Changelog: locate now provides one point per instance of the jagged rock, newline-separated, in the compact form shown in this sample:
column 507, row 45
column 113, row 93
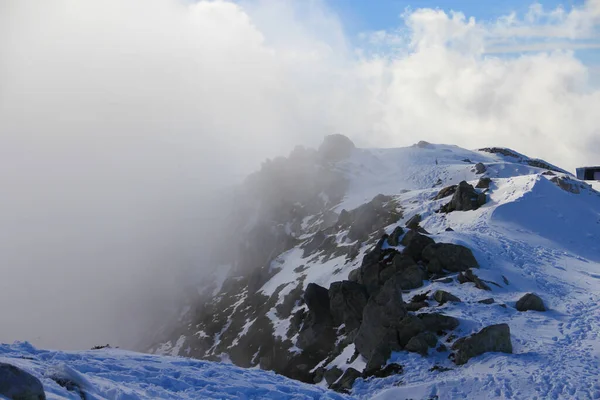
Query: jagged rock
column 421, row 343
column 480, row 168
column 409, row 327
column 336, row 147
column 452, row 257
column 567, row 184
column 347, row 301
column 486, row 301
column 381, row 316
column 413, row 222
column 332, row 375
column 394, row 238
column 416, row 306
column 372, row 216
column 466, row 198
column 484, row 183
column 494, row 338
column 344, row 384
column 442, row 297
column 531, row 302
column 445, row 192
column 317, row 334
column 469, row 276
column 414, row 243
column 18, row 384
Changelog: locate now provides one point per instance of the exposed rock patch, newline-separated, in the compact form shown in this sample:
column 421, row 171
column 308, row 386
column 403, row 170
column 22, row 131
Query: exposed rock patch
column 18, row 384
column 494, row 338
column 465, row 198
column 451, row 257
column 532, row 302
column 443, row 297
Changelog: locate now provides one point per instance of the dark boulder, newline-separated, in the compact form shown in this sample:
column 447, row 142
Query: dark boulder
column 436, row 322
column 378, row 359
column 442, row 297
column 411, row 277
column 416, row 306
column 414, row 221
column 452, row 257
column 347, row 301
column 414, row 243
column 486, row 301
column 317, row 334
column 381, row 317
column 445, row 192
column 494, row 338
column 480, row 168
column 388, row 370
column 344, row 384
column 336, row 147
column 531, row 302
column 484, row 183
column 466, row 198
column 18, row 384
column 469, row 276
column 421, row 343
column 372, row 216
column 394, row 238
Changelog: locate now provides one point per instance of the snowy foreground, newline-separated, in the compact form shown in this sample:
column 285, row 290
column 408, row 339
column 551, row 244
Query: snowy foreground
column 124, row 375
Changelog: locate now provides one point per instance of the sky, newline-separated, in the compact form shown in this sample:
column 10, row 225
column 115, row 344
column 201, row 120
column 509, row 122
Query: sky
column 118, row 118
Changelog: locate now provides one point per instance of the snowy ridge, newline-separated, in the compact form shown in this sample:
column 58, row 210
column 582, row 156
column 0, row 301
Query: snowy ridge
column 119, row 375
column 532, row 235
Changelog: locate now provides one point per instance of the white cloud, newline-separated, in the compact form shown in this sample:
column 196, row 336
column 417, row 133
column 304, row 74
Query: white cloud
column 118, row 116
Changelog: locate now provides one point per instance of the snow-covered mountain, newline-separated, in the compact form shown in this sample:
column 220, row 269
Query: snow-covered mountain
column 364, row 269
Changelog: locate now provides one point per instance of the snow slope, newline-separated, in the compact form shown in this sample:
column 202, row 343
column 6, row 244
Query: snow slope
column 124, row 375
column 530, row 236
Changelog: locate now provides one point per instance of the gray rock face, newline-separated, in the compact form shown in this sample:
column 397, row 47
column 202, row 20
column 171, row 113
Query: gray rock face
column 452, row 257
column 567, row 184
column 411, row 277
column 347, row 301
column 480, row 168
column 336, row 147
column 442, row 297
column 435, row 322
column 381, row 317
column 372, row 216
column 414, row 244
column 531, row 302
column 466, row 198
column 378, row 359
column 408, row 328
column 494, row 338
column 18, row 384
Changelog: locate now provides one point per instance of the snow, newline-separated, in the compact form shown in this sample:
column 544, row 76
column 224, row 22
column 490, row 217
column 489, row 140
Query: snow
column 124, row 375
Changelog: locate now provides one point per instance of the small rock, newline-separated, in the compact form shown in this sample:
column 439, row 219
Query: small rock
column 486, row 301
column 445, row 192
column 530, row 302
column 18, row 384
column 416, row 306
column 494, row 338
column 484, row 183
column 441, row 348
column 448, row 229
column 442, row 297
column 480, row 168
column 452, row 257
column 466, row 198
column 469, row 276
column 445, row 280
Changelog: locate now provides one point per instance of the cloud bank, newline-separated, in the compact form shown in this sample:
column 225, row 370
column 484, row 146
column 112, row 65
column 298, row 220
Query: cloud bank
column 118, row 117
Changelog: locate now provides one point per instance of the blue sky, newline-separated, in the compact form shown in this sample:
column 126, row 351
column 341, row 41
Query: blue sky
column 360, row 16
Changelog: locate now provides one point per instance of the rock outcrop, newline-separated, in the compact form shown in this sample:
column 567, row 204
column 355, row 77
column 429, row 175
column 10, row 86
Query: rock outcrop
column 336, row 147
column 18, row 384
column 451, row 257
column 494, row 338
column 466, row 198
column 532, row 302
column 347, row 301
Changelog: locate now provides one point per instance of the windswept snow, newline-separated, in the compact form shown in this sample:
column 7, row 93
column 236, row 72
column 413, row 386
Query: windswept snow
column 123, row 375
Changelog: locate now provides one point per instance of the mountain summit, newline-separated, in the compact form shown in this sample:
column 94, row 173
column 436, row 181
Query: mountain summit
column 406, row 272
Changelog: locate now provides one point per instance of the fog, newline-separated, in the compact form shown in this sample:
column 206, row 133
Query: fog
column 119, row 119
